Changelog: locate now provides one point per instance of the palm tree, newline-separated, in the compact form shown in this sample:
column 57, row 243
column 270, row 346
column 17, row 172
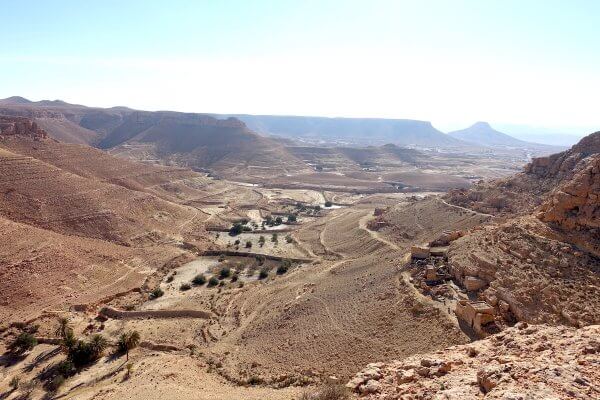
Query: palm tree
column 128, row 341
column 65, row 332
column 63, row 327
column 98, row 344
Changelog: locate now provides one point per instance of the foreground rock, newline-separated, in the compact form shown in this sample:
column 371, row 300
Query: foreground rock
column 523, row 362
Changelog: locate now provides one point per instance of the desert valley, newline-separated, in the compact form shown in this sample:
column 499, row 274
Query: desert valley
column 202, row 256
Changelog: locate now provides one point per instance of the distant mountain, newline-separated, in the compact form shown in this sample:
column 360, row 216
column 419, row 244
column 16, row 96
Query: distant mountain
column 481, row 133
column 360, row 131
column 556, row 137
column 198, row 141
column 15, row 100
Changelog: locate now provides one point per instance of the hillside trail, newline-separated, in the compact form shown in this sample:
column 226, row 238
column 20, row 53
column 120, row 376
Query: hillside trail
column 463, row 208
column 362, row 223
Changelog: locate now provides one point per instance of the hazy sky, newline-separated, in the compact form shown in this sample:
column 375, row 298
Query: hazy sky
column 451, row 62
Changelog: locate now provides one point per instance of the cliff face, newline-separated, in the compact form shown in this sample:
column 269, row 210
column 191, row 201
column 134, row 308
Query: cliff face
column 21, row 126
column 576, row 203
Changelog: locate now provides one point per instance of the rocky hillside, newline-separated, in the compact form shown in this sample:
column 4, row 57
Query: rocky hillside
column 78, row 225
column 524, row 362
column 523, row 192
column 540, row 261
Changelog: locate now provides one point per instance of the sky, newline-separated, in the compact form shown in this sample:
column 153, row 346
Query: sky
column 518, row 63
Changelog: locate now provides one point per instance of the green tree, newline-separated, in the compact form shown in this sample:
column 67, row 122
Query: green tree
column 128, row 341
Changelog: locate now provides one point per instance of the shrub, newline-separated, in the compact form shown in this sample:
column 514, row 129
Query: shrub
column 24, row 342
column 241, row 285
column 213, row 281
column 278, row 221
column 264, row 273
column 274, row 238
column 225, row 272
column 66, row 368
column 222, row 283
column 292, row 218
column 260, row 259
column 248, row 244
column 328, row 204
column 289, row 239
column 156, row 293
column 170, row 278
column 236, row 229
column 185, row 286
column 282, row 269
column 234, row 278
column 56, row 383
column 128, row 370
column 199, row 280
column 14, row 382
column 254, row 380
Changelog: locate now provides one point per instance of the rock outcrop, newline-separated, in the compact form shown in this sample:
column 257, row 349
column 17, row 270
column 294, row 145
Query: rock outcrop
column 21, row 126
column 523, row 362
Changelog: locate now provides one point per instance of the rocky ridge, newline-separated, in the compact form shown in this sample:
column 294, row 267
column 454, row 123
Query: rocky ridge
column 523, row 362
column 21, row 126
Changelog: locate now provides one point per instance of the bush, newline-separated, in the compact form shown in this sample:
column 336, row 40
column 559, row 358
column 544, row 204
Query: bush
column 199, row 280
column 156, row 293
column 274, row 238
column 170, row 278
column 14, row 382
column 234, row 278
column 237, row 242
column 289, row 239
column 292, row 218
column 185, row 286
column 263, row 274
column 236, row 229
column 282, row 269
column 248, row 244
column 213, row 281
column 56, row 383
column 66, row 368
column 225, row 272
column 260, row 259
column 24, row 342
column 328, row 204
column 278, row 221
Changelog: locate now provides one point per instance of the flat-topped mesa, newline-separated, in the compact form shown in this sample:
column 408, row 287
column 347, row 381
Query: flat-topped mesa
column 196, row 119
column 21, row 126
